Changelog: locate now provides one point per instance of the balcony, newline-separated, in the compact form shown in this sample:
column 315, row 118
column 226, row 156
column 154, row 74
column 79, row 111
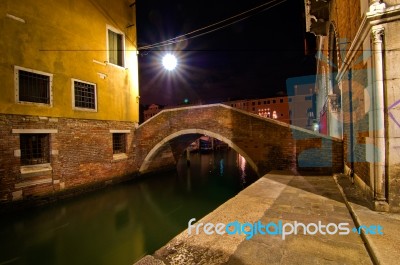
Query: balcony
column 317, row 16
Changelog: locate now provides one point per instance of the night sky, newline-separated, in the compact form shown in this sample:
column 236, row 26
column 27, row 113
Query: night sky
column 249, row 59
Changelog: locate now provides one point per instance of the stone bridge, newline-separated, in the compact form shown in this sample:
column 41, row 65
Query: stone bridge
column 266, row 144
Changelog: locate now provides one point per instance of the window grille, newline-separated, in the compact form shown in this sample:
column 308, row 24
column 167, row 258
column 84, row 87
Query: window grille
column 85, row 95
column 35, row 149
column 33, row 87
column 119, row 143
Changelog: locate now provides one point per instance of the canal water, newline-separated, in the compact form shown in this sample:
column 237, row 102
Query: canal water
column 120, row 224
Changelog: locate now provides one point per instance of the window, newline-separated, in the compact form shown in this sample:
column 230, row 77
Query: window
column 281, row 100
column 290, row 99
column 32, row 86
column 35, row 149
column 84, row 95
column 268, row 101
column 119, row 143
column 115, row 47
column 274, row 101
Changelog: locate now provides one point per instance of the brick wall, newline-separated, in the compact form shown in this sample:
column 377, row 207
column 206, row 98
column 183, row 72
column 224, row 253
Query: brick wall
column 267, row 143
column 81, row 156
column 358, row 96
column 82, row 153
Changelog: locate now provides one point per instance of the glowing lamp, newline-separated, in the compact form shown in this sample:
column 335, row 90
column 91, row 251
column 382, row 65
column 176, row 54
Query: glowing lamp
column 169, row 62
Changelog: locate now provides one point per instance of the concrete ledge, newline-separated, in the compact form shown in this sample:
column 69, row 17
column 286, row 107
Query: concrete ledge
column 149, row 260
column 121, row 156
column 382, row 249
column 277, row 196
column 36, row 170
column 33, row 183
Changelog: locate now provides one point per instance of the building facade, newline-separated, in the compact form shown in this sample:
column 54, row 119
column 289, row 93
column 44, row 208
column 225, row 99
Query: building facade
column 69, row 100
column 357, row 89
column 294, row 109
column 152, row 110
column 275, row 108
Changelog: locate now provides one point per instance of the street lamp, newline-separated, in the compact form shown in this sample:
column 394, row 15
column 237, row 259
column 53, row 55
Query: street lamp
column 169, row 62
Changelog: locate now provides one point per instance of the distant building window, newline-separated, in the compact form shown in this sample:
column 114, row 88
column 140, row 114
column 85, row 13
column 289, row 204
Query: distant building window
column 281, row 100
column 33, row 86
column 35, row 149
column 259, row 103
column 84, row 95
column 231, row 105
column 265, row 102
column 268, row 102
column 308, row 97
column 290, row 99
column 115, row 47
column 119, row 143
column 254, row 109
column 253, row 103
column 274, row 101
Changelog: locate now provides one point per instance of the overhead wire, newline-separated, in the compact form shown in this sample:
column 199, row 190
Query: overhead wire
column 183, row 37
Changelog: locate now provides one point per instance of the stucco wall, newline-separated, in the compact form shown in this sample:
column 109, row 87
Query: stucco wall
column 67, row 38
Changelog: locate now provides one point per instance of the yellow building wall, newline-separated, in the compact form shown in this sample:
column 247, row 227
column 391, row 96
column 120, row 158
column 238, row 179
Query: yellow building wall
column 68, row 38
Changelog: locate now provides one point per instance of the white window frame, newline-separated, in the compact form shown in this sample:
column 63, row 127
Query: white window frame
column 108, row 27
column 16, row 86
column 120, row 156
column 27, row 171
column 73, row 95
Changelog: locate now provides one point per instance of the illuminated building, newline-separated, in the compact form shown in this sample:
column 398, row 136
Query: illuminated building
column 69, row 100
column 289, row 109
column 357, row 95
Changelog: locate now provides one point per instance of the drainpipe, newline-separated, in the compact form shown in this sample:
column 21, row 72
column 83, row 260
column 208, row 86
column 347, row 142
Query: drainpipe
column 380, row 200
column 350, row 76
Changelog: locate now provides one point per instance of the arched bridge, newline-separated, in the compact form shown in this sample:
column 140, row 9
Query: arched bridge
column 266, row 144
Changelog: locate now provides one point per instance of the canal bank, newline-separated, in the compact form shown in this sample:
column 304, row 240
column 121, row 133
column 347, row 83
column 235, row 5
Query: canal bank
column 278, row 196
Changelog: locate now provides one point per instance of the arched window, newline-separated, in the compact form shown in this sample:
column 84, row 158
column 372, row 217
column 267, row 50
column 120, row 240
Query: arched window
column 333, row 88
column 333, row 61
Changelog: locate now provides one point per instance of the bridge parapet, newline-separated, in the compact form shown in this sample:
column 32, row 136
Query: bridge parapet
column 266, row 144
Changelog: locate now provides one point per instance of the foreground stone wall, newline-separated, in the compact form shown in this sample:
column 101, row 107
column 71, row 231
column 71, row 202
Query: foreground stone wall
column 357, row 80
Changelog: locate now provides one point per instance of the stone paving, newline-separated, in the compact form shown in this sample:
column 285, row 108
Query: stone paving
column 278, row 196
column 384, row 249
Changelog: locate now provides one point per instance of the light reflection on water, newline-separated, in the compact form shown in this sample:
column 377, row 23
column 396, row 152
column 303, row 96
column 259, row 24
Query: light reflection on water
column 122, row 223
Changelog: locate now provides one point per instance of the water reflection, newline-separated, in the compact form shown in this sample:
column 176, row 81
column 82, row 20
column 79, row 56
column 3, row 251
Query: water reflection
column 122, row 223
column 242, row 166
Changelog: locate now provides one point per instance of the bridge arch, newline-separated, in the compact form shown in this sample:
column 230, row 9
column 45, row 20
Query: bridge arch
column 266, row 144
column 148, row 159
